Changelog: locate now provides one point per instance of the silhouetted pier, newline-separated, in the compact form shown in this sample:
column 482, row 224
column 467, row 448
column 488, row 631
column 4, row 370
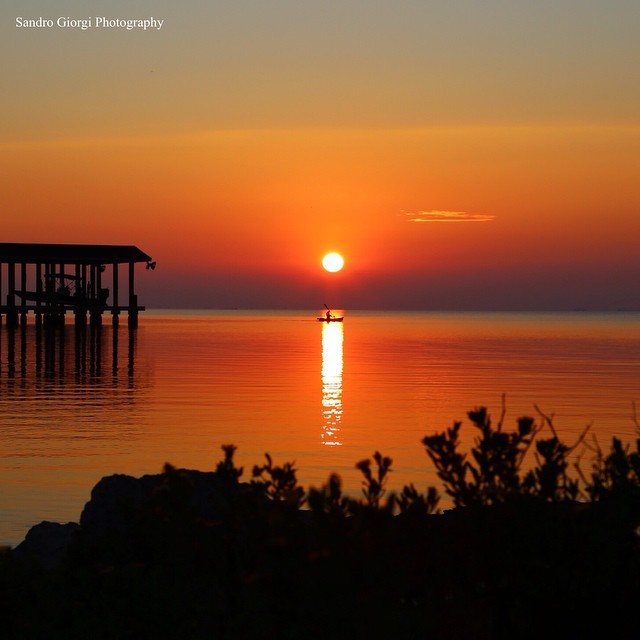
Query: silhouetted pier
column 57, row 278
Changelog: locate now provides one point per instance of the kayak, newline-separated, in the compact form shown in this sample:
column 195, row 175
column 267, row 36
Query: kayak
column 330, row 319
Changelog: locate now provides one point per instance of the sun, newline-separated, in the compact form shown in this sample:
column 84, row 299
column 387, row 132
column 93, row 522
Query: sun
column 333, row 262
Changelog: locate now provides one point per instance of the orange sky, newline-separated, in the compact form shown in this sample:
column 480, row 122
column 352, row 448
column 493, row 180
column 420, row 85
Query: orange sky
column 237, row 148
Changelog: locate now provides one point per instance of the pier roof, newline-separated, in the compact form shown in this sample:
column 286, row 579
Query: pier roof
column 70, row 253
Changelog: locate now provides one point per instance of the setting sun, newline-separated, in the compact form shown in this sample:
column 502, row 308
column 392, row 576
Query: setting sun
column 333, row 262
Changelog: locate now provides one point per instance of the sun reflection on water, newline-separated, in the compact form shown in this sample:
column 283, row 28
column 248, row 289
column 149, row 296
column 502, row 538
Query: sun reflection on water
column 332, row 365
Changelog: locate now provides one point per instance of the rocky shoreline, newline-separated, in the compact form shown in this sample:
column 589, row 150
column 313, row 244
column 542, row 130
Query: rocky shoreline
column 193, row 554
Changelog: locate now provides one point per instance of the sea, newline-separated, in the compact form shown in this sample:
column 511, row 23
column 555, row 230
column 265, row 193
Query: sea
column 77, row 405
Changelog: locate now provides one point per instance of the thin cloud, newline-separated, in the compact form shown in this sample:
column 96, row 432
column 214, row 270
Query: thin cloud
column 447, row 216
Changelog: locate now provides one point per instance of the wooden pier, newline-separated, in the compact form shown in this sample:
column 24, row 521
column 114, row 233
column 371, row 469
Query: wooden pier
column 50, row 280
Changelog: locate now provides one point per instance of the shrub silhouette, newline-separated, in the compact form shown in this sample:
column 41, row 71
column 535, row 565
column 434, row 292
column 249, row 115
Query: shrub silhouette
column 494, row 473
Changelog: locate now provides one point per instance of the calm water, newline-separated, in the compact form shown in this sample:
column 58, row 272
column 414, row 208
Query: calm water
column 74, row 408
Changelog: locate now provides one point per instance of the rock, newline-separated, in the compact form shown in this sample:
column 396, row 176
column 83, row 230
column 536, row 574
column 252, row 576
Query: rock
column 114, row 501
column 117, row 501
column 47, row 543
column 118, row 506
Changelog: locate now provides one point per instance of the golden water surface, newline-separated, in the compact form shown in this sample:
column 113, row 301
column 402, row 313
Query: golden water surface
column 77, row 406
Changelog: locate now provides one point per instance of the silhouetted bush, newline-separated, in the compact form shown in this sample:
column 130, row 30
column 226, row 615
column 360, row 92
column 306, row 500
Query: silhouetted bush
column 533, row 547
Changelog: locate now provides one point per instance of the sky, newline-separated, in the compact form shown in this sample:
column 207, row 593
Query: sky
column 468, row 154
